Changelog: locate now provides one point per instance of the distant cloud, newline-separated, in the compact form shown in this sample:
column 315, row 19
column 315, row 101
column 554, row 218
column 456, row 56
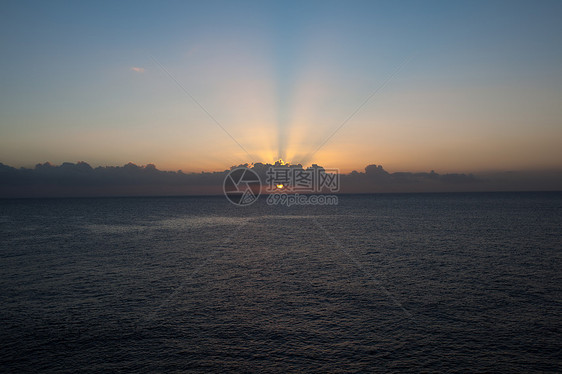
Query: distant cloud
column 193, row 50
column 137, row 69
column 80, row 179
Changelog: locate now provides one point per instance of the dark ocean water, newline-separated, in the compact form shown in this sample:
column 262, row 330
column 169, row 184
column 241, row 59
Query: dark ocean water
column 429, row 282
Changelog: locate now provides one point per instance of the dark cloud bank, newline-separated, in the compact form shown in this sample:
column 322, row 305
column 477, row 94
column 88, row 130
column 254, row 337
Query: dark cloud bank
column 80, row 179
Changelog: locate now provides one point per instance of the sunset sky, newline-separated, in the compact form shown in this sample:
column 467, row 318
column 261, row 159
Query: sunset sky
column 458, row 86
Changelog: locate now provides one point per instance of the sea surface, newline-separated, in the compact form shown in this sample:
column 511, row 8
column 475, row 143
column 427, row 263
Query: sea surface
column 378, row 283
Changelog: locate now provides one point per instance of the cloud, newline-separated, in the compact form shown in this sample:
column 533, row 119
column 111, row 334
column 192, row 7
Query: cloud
column 137, row 69
column 376, row 179
column 80, row 179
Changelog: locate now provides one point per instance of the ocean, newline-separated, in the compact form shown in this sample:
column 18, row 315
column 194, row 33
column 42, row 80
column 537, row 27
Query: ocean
column 378, row 283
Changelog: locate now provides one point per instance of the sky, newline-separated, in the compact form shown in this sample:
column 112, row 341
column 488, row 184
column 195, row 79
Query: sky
column 449, row 86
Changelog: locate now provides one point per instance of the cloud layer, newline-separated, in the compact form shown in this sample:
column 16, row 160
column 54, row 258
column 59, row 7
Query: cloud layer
column 80, row 179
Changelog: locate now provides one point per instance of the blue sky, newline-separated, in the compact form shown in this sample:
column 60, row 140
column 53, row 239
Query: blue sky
column 479, row 85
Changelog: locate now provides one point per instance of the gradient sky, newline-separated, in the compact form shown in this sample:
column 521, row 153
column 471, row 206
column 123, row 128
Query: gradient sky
column 467, row 86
